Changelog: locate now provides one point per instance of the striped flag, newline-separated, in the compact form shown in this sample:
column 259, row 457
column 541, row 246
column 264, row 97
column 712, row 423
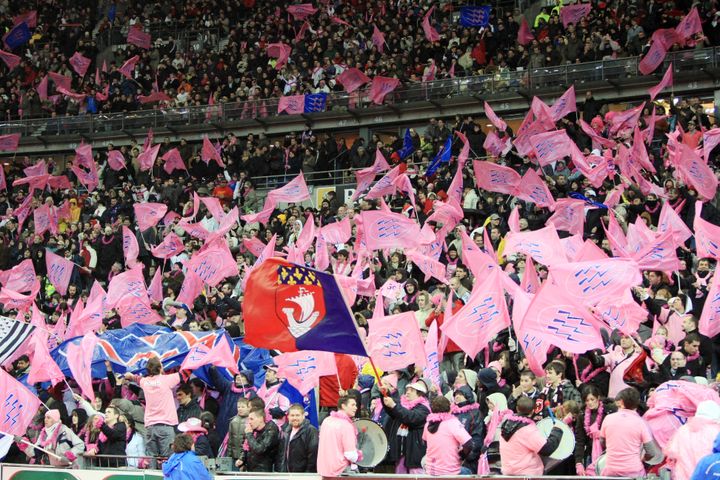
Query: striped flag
column 12, row 335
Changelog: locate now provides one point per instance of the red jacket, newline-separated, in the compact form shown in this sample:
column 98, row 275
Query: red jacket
column 451, row 346
column 347, row 371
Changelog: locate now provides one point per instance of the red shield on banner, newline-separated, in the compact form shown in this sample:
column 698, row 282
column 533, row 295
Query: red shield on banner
column 300, row 303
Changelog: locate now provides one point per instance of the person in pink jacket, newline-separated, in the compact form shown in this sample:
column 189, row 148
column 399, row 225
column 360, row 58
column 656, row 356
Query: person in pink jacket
column 693, row 440
column 522, row 443
column 337, row 448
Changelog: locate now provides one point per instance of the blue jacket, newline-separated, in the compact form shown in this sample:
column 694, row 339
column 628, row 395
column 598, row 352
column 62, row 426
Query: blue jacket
column 183, row 466
column 709, row 467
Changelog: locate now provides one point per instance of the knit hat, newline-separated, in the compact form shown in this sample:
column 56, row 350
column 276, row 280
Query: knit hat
column 470, row 377
column 708, row 409
column 487, row 377
column 54, row 415
column 466, row 392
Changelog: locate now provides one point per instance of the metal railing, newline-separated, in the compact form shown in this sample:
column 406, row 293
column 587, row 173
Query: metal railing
column 532, row 80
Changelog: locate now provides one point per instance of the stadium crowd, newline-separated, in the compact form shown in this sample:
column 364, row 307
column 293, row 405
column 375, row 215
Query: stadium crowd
column 228, row 61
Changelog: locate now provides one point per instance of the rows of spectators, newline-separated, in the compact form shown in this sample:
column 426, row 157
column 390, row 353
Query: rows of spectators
column 227, row 61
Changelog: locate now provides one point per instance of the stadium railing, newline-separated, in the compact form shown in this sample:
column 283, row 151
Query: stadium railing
column 530, row 81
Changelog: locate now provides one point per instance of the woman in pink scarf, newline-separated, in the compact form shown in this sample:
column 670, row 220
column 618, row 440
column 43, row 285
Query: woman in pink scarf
column 587, row 430
column 404, row 428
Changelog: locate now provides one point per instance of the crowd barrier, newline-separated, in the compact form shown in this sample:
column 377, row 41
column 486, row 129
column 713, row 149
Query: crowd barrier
column 25, row 472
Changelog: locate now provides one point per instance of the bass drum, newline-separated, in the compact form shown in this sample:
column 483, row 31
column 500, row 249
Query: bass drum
column 372, row 442
column 567, row 442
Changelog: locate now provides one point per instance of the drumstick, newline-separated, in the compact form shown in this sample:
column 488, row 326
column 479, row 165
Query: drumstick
column 552, row 415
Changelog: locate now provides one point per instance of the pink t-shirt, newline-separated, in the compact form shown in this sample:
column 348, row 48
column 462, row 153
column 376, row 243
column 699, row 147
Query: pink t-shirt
column 625, row 433
column 160, row 399
column 520, row 455
column 618, row 363
column 443, row 456
column 337, row 436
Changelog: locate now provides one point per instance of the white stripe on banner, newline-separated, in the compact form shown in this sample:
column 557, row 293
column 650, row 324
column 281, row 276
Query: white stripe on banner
column 12, row 335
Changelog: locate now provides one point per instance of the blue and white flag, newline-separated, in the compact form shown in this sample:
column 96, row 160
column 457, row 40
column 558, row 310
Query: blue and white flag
column 315, row 102
column 475, row 16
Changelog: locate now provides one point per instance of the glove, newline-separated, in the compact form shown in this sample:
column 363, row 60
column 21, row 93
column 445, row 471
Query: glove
column 70, row 456
column 579, row 469
column 21, row 445
column 98, row 421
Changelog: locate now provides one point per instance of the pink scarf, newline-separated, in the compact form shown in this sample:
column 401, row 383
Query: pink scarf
column 245, row 391
column 593, row 431
column 496, row 419
column 439, row 417
column 454, row 409
column 49, row 442
column 410, row 404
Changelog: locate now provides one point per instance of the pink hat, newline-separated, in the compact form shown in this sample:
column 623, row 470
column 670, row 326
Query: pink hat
column 495, row 366
column 54, row 415
column 192, row 425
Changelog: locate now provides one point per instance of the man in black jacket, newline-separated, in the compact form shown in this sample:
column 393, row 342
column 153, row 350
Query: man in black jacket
column 263, row 439
column 188, row 406
column 298, row 443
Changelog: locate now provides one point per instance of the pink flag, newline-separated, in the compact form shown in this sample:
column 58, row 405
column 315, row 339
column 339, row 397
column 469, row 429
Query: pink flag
column 666, row 81
column 533, row 189
column 710, row 319
column 496, row 178
column 659, row 255
column 711, row 139
column 137, row 310
column 301, row 11
column 496, row 146
column 589, row 251
column 339, row 21
column 525, row 35
column 170, row 246
column 19, row 406
column 494, row 119
column 80, row 359
column 292, row 104
column 147, row 215
column 337, row 232
column 155, row 97
column 3, row 181
column 139, row 38
column 303, row 369
column 484, row 315
column 385, row 185
column 596, row 139
column 214, row 263
column 555, row 318
column 9, row 142
column 147, row 158
column 192, row 286
column 378, row 39
column 622, row 313
column 430, row 33
column 543, row 245
column 219, row 355
column 389, row 230
column 670, row 221
column 131, row 250
column 429, row 266
column 564, row 105
column 574, row 13
column 293, row 192
column 262, row 216
column 209, row 152
column 351, row 79
column 16, row 301
column 597, row 280
column 10, row 60
column 653, row 58
column 155, row 290
column 61, row 80
column 695, row 172
column 59, row 271
column 173, row 161
column 689, row 25
column 569, row 215
column 21, row 278
column 281, row 52
column 395, row 341
column 29, row 18
column 431, row 371
column 129, row 66
column 322, row 258
column 80, row 63
column 707, row 236
column 531, row 281
column 627, row 119
column 43, row 368
column 364, row 179
column 42, row 87
column 254, row 245
column 550, row 146
column 381, row 87
column 116, row 160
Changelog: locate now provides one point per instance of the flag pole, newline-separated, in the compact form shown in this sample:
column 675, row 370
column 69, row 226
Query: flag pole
column 377, row 375
column 36, row 447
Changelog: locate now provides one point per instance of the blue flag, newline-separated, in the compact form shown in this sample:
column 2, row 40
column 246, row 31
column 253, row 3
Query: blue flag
column 475, row 16
column 17, row 36
column 111, row 12
column 307, row 401
column 407, row 147
column 443, row 156
column 315, row 102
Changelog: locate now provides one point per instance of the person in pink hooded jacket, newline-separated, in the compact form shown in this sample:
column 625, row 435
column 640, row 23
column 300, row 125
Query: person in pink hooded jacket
column 693, row 440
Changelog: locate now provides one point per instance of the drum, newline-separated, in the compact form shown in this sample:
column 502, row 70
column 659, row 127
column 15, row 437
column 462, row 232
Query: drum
column 600, row 464
column 372, row 442
column 567, row 442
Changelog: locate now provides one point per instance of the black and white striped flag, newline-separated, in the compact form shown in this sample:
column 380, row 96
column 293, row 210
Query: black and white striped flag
column 12, row 335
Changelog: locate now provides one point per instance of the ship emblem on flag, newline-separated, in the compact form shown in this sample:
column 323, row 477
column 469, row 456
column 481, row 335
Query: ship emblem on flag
column 299, row 299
